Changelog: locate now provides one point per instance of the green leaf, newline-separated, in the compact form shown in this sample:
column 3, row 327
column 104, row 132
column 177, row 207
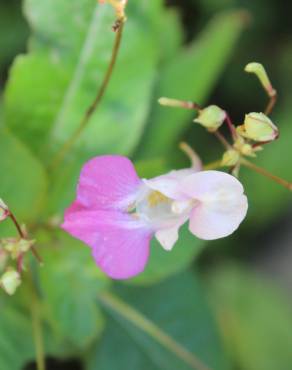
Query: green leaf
column 191, row 75
column 70, row 282
column 17, row 346
column 50, row 88
column 255, row 317
column 163, row 264
column 178, row 307
column 23, row 183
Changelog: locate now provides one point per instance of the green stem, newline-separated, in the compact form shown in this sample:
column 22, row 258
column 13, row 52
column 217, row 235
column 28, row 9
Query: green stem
column 92, row 108
column 213, row 165
column 128, row 312
column 267, row 174
column 37, row 326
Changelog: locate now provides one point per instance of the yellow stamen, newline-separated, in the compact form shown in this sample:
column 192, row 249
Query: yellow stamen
column 155, row 197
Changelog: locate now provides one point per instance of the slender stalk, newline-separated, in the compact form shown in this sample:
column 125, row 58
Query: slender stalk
column 92, row 108
column 267, row 174
column 37, row 327
column 222, row 139
column 191, row 154
column 111, row 301
column 271, row 104
column 230, row 126
column 23, row 236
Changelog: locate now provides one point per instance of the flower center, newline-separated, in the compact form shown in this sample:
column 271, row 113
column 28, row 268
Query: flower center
column 158, row 210
column 155, row 197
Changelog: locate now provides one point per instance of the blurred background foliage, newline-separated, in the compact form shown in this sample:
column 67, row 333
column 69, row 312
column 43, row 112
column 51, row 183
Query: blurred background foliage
column 227, row 301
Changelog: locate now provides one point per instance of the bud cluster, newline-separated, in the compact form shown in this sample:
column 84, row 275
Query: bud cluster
column 248, row 138
column 12, row 252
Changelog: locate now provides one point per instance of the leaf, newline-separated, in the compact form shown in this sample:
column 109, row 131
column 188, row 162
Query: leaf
column 191, row 75
column 256, row 319
column 163, row 264
column 50, row 88
column 23, row 183
column 70, row 282
column 178, row 307
column 17, row 346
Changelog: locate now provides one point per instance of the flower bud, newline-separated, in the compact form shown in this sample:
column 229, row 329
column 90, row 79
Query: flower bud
column 211, row 117
column 230, row 158
column 4, row 211
column 10, row 281
column 259, row 70
column 244, row 148
column 17, row 247
column 258, row 127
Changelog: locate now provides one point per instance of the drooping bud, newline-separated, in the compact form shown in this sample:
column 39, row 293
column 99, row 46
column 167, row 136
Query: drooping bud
column 4, row 211
column 258, row 127
column 10, row 281
column 211, row 117
column 17, row 247
column 259, row 70
column 230, row 158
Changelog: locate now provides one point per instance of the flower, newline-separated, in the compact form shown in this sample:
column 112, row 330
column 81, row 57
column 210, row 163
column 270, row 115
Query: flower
column 116, row 213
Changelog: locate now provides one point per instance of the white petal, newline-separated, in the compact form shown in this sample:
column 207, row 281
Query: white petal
column 168, row 236
column 221, row 204
column 168, row 184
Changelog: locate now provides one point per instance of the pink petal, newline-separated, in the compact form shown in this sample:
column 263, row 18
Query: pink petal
column 120, row 243
column 108, row 182
column 221, row 204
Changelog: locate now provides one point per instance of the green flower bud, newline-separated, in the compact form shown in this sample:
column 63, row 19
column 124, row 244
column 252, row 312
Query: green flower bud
column 230, row 158
column 259, row 70
column 244, row 148
column 17, row 247
column 10, row 281
column 211, row 117
column 258, row 127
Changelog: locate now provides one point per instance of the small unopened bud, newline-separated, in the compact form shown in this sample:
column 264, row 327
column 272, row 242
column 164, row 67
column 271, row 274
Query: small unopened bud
column 244, row 148
column 258, row 127
column 4, row 211
column 10, row 281
column 259, row 70
column 230, row 158
column 211, row 117
column 17, row 247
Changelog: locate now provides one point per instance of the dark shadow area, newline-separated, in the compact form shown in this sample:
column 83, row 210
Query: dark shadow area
column 56, row 364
